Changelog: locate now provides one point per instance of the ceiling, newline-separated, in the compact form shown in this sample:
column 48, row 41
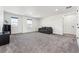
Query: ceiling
column 39, row 11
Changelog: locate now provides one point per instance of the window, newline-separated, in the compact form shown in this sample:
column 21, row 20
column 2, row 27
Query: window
column 29, row 23
column 14, row 21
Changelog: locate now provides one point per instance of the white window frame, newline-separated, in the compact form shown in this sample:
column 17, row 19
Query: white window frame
column 14, row 21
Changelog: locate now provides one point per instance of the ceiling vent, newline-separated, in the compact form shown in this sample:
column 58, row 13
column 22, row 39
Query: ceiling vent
column 68, row 7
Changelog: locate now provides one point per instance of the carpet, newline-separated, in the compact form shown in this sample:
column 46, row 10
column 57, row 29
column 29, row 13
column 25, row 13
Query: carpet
column 40, row 43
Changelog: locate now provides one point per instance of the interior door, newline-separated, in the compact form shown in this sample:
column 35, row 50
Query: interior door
column 70, row 24
column 77, row 29
column 14, row 25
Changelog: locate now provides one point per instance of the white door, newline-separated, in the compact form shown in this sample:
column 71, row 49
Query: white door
column 70, row 24
column 24, row 25
column 77, row 29
column 14, row 25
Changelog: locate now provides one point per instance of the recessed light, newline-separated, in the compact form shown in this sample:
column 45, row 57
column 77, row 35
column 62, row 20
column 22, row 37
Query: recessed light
column 56, row 9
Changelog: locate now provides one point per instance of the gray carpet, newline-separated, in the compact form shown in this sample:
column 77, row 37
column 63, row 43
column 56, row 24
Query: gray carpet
column 40, row 43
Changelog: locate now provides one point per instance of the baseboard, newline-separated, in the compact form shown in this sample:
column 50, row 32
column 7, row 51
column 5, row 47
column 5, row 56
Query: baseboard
column 23, row 32
column 69, row 34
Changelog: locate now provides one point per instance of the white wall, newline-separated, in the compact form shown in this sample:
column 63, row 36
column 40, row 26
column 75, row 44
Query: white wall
column 35, row 24
column 60, row 23
column 1, row 18
column 22, row 24
column 70, row 24
column 77, row 27
column 53, row 21
column 7, row 16
column 56, row 22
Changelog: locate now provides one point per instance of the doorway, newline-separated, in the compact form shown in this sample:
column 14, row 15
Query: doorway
column 70, row 24
column 14, row 25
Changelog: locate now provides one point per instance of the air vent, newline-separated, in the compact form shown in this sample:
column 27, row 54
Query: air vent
column 68, row 7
